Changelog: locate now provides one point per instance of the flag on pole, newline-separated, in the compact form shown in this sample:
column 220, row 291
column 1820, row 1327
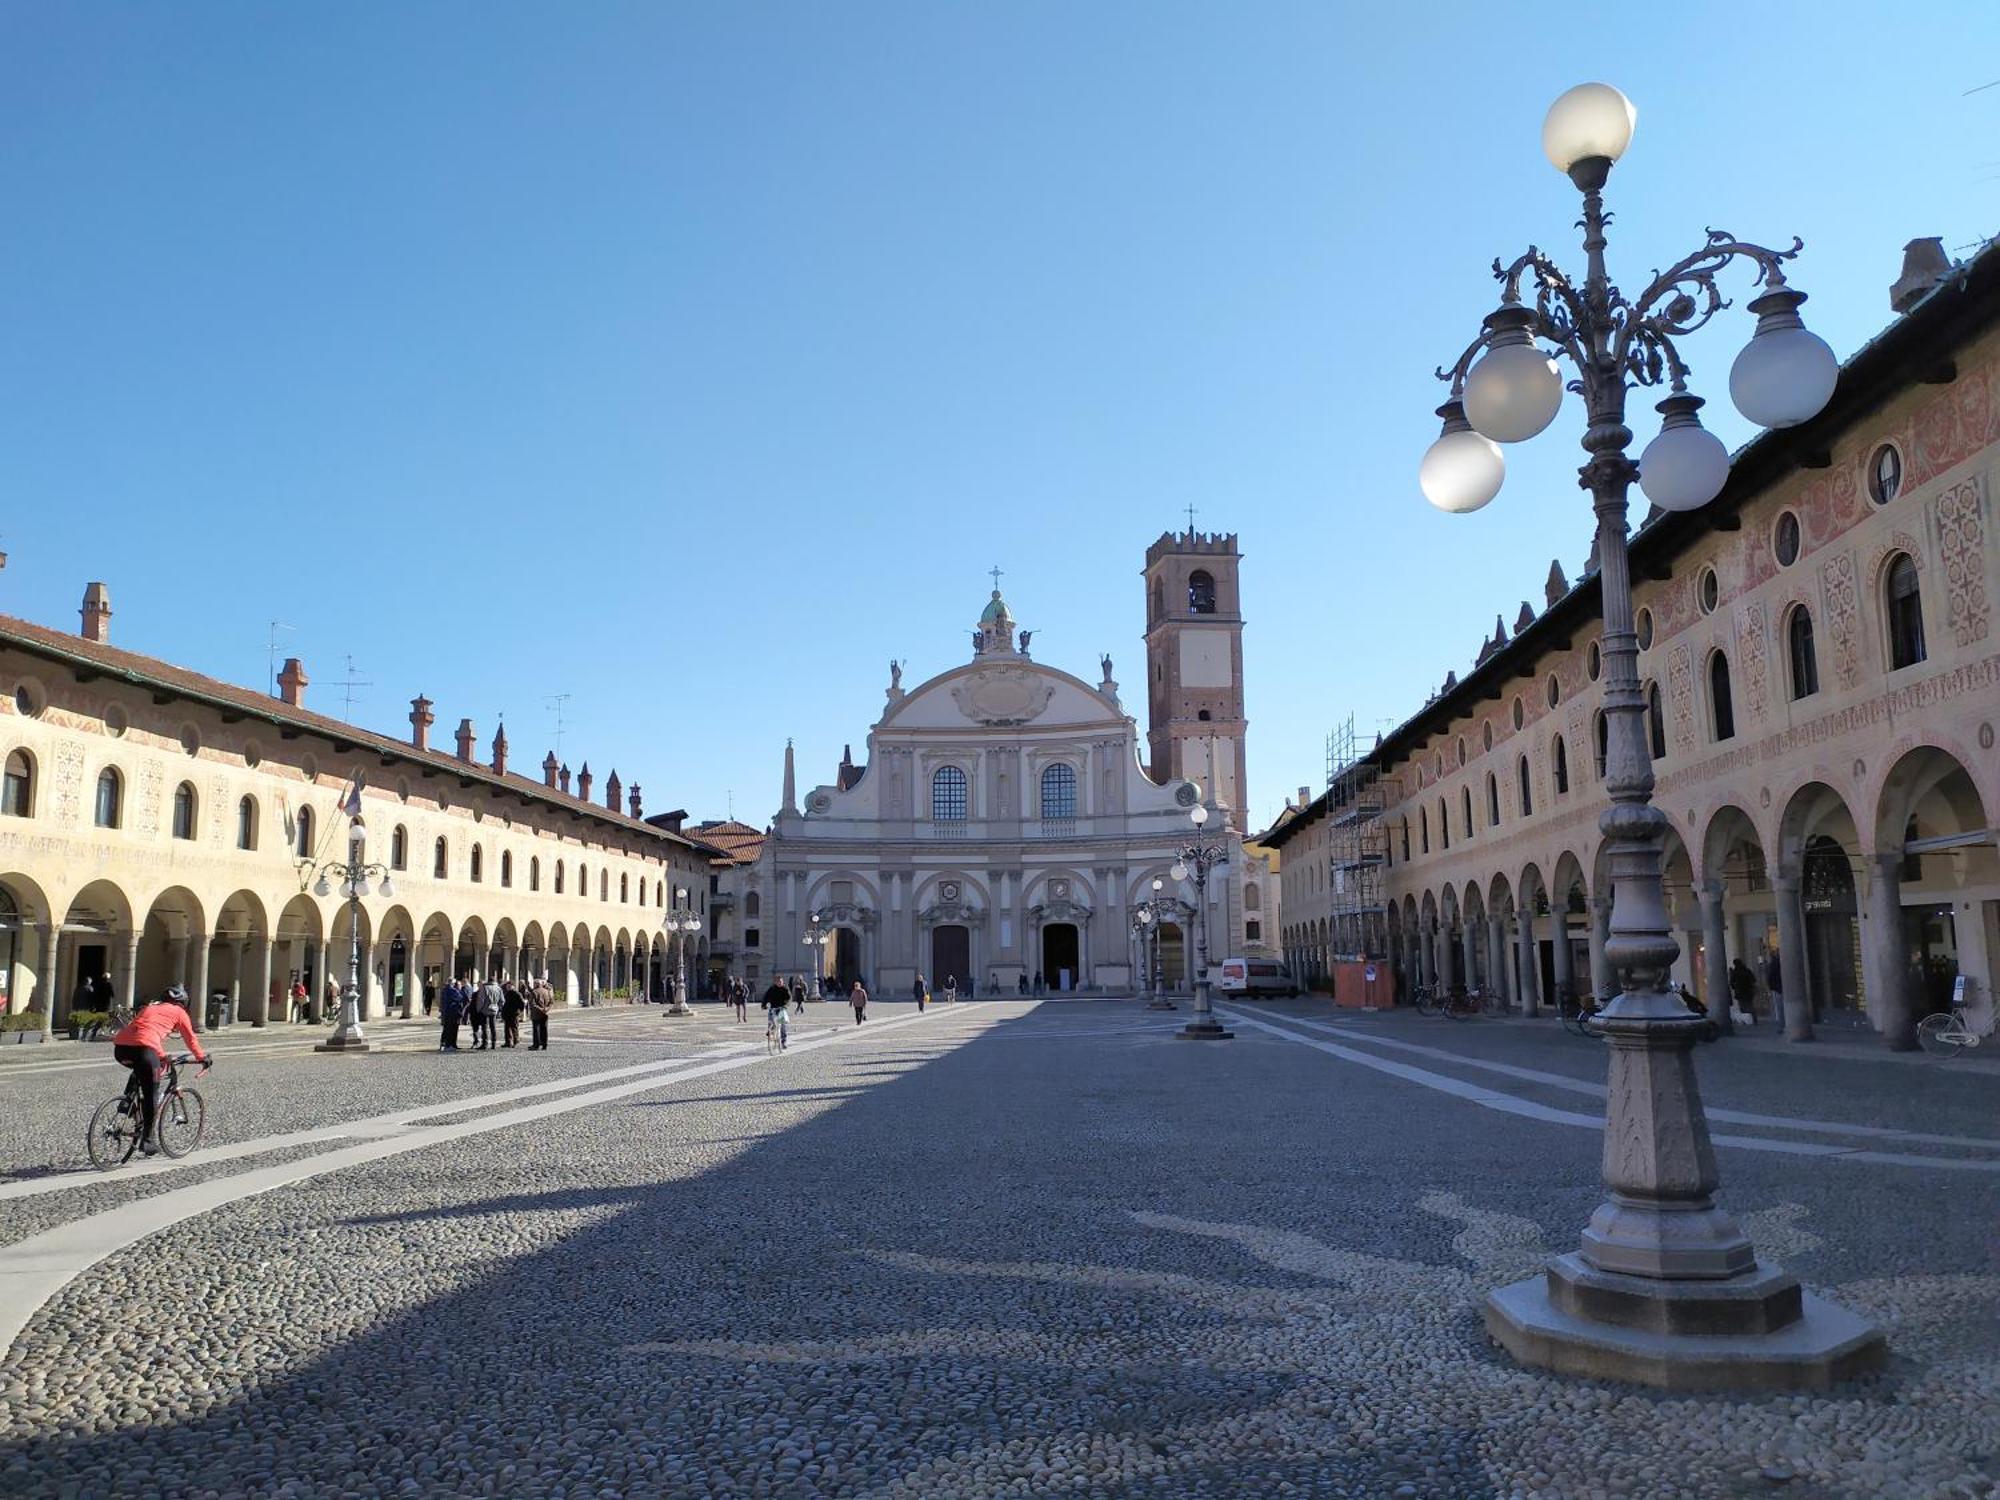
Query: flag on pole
column 351, row 802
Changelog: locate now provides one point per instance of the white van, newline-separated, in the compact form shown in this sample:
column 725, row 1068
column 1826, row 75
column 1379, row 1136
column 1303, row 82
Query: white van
column 1255, row 976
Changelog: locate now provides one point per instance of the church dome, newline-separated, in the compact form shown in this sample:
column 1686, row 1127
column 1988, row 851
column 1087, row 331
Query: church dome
column 996, row 611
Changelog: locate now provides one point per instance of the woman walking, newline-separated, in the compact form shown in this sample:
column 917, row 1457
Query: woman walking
column 920, row 992
column 858, row 998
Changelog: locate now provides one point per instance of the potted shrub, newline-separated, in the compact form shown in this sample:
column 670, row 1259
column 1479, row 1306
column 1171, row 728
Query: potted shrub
column 85, row 1025
column 22, row 1029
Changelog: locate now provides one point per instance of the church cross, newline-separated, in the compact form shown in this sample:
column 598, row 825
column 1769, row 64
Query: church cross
column 996, row 578
column 1190, row 518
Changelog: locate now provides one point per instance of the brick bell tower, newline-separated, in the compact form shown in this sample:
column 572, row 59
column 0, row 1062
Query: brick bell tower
column 1194, row 665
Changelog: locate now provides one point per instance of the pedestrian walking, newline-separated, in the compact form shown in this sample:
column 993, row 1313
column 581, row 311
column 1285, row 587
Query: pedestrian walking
column 1024, row 981
column 541, row 999
column 741, row 992
column 858, row 998
column 486, row 1014
column 430, row 994
column 1774, row 981
column 511, row 1006
column 451, row 1010
column 920, row 992
column 1742, row 987
column 330, row 1012
column 799, row 993
column 951, row 989
column 302, row 1002
column 1040, row 987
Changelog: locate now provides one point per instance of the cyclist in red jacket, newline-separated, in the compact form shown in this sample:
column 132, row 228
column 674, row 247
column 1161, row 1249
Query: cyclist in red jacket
column 139, row 1045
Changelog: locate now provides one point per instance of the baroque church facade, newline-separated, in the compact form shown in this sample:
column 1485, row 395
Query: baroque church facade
column 1007, row 820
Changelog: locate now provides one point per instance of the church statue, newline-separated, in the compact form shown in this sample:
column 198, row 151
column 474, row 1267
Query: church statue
column 895, row 676
column 1107, row 666
column 1026, row 636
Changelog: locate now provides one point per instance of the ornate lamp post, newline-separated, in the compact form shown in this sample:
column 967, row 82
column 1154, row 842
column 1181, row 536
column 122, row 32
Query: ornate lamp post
column 1196, row 858
column 1665, row 1288
column 681, row 923
column 353, row 874
column 1148, row 915
column 818, row 934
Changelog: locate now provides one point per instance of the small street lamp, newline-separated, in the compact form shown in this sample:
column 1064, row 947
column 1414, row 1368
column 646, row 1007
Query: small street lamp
column 1146, row 918
column 681, row 924
column 351, row 876
column 818, row 934
column 1195, row 859
column 1665, row 1288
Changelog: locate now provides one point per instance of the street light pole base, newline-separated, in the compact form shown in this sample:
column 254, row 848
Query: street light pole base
column 343, row 1041
column 680, row 1008
column 1204, row 1029
column 1162, row 1003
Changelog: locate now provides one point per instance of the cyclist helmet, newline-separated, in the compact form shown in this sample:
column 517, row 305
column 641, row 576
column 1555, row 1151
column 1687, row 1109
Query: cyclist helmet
column 175, row 995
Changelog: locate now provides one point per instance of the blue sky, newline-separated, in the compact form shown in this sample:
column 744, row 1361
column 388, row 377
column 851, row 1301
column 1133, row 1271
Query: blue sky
column 695, row 360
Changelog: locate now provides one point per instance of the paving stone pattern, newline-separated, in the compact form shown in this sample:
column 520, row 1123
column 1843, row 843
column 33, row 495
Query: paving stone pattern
column 1010, row 1250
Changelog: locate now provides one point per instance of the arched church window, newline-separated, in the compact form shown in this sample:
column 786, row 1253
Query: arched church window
column 1201, row 592
column 948, row 795
column 1059, row 791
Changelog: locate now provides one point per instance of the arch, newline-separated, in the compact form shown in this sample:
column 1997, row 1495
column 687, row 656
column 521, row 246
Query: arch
column 108, row 809
column 17, row 785
column 396, row 964
column 1801, row 653
column 299, row 955
column 1201, row 592
column 1902, row 598
column 173, row 924
column 949, row 802
column 506, row 946
column 186, row 812
column 1818, row 856
column 350, row 922
column 1059, row 790
column 1932, row 836
column 1721, row 701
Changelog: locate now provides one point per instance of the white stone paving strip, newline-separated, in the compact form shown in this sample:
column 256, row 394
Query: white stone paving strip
column 35, row 1269
column 1597, row 1090
column 1493, row 1099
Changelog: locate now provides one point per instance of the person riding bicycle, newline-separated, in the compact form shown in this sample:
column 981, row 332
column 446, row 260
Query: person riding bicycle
column 138, row 1046
column 777, row 1006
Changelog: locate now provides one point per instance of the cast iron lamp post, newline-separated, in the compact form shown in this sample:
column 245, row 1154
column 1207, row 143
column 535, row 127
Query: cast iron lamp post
column 681, row 924
column 816, row 938
column 1665, row 1288
column 1196, row 859
column 353, row 874
column 1149, row 914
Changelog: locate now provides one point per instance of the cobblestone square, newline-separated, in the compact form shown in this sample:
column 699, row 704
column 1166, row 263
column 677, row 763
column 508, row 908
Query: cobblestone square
column 999, row 1248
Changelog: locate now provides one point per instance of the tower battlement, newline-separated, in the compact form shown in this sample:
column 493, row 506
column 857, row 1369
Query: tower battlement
column 1182, row 543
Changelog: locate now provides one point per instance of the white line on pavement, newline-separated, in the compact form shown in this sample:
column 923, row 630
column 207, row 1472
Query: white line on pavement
column 35, row 1269
column 1492, row 1099
column 1597, row 1090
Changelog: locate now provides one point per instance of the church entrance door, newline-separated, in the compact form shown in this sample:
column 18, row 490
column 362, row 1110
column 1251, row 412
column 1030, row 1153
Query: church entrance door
column 1173, row 957
column 1060, row 968
column 951, row 955
column 845, row 967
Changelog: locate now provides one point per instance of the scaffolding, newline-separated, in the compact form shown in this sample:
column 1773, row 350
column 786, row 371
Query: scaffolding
column 1358, row 796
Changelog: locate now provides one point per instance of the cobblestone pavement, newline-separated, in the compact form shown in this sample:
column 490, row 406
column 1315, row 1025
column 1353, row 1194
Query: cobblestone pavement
column 1006, row 1248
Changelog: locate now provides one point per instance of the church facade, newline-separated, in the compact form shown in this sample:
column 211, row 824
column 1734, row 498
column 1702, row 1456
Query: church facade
column 1005, row 822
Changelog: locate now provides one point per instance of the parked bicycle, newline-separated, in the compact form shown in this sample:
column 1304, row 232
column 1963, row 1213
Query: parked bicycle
column 1947, row 1033
column 118, row 1126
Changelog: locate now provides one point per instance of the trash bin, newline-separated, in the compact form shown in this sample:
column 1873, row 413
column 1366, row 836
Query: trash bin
column 218, row 1008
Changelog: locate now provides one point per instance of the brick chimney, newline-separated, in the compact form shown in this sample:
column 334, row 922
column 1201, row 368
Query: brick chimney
column 292, row 682
column 614, row 790
column 500, row 751
column 549, row 769
column 583, row 780
column 421, row 719
column 96, row 613
column 563, row 780
column 465, row 738
column 1305, row 795
column 632, row 800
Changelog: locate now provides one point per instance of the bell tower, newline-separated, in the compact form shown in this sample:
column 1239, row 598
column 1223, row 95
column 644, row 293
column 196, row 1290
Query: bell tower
column 1194, row 665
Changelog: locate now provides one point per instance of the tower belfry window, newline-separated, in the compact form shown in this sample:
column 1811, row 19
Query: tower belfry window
column 1201, row 592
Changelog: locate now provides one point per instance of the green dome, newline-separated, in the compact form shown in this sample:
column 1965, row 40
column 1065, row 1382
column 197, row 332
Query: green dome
column 996, row 611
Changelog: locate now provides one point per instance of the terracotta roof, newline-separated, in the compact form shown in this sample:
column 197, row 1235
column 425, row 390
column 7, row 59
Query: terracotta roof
column 739, row 842
column 93, row 658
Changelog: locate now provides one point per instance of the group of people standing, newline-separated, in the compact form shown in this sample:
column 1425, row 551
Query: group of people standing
column 922, row 992
column 495, row 1006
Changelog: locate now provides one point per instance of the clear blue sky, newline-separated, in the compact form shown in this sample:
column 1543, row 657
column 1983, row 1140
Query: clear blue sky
column 694, row 360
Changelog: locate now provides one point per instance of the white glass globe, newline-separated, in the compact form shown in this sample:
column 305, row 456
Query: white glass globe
column 1683, row 468
column 1461, row 471
column 1592, row 119
column 1513, row 393
column 1198, row 815
column 1179, row 871
column 1783, row 377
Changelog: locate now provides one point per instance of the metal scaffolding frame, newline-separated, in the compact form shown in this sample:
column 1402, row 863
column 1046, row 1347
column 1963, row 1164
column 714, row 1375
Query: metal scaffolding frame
column 1358, row 795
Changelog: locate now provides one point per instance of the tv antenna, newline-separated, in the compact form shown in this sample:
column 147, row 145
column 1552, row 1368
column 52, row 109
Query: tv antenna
column 556, row 702
column 271, row 658
column 347, row 687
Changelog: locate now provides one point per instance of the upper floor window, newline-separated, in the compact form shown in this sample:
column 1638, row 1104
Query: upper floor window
column 1905, row 613
column 948, row 795
column 603, row 885
column 583, row 882
column 478, row 871
column 17, row 791
column 1803, row 656
column 1885, row 474
column 753, row 905
column 399, row 848
column 440, row 859
column 1423, row 831
column 1059, row 791
column 534, row 873
column 1656, row 722
column 1527, row 791
column 1444, row 826
column 1465, row 810
column 184, row 808
column 110, row 798
column 1492, row 800
column 304, row 831
column 506, row 867
column 1201, row 592
column 1602, row 729
column 1562, row 767
column 1722, row 707
column 625, row 888
column 559, row 877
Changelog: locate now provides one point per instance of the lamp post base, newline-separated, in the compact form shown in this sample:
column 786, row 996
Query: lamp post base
column 1161, row 1002
column 1756, row 1331
column 680, row 1007
column 1204, row 1029
column 345, row 1041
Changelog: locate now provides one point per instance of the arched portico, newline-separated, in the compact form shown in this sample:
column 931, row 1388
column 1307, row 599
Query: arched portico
column 1818, row 911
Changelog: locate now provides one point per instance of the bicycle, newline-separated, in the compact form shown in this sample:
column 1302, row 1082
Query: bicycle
column 1460, row 1004
column 1947, row 1033
column 1576, row 1012
column 1424, row 998
column 777, row 1034
column 117, row 1125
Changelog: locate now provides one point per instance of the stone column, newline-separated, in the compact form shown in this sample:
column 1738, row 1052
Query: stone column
column 1715, row 959
column 239, row 949
column 260, row 972
column 128, row 977
column 1884, row 960
column 1603, row 978
column 49, row 979
column 1496, row 957
column 198, row 989
column 1468, row 944
column 1565, row 959
column 1530, row 963
column 1792, row 960
column 1426, row 959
